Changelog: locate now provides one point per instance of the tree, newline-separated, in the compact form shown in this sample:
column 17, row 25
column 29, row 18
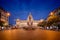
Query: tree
column 43, row 23
column 52, row 19
column 2, row 23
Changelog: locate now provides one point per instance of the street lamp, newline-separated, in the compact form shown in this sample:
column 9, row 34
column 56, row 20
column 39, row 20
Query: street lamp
column 51, row 13
column 7, row 14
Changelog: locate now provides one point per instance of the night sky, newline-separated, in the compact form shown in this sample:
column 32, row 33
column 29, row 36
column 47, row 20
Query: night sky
column 21, row 8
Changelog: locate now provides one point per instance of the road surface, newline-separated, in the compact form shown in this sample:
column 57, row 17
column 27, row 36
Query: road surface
column 21, row 34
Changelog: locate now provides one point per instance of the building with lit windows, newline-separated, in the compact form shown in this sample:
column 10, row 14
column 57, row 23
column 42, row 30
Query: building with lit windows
column 4, row 16
column 54, row 17
column 55, row 12
column 29, row 22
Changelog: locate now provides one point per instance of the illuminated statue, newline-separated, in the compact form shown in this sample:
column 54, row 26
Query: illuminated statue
column 30, row 20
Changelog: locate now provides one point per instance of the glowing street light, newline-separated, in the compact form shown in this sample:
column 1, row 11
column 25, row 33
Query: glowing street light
column 8, row 14
column 51, row 13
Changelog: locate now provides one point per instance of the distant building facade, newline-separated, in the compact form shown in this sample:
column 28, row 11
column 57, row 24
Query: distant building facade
column 29, row 22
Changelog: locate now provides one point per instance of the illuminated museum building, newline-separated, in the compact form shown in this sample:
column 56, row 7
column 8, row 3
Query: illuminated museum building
column 29, row 22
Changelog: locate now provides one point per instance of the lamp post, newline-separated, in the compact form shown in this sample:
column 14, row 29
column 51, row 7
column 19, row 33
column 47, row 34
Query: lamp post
column 8, row 14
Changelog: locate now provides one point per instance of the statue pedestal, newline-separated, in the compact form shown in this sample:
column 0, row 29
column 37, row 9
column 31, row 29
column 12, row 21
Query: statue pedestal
column 30, row 24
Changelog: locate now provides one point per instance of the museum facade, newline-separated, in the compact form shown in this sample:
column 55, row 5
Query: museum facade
column 29, row 22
